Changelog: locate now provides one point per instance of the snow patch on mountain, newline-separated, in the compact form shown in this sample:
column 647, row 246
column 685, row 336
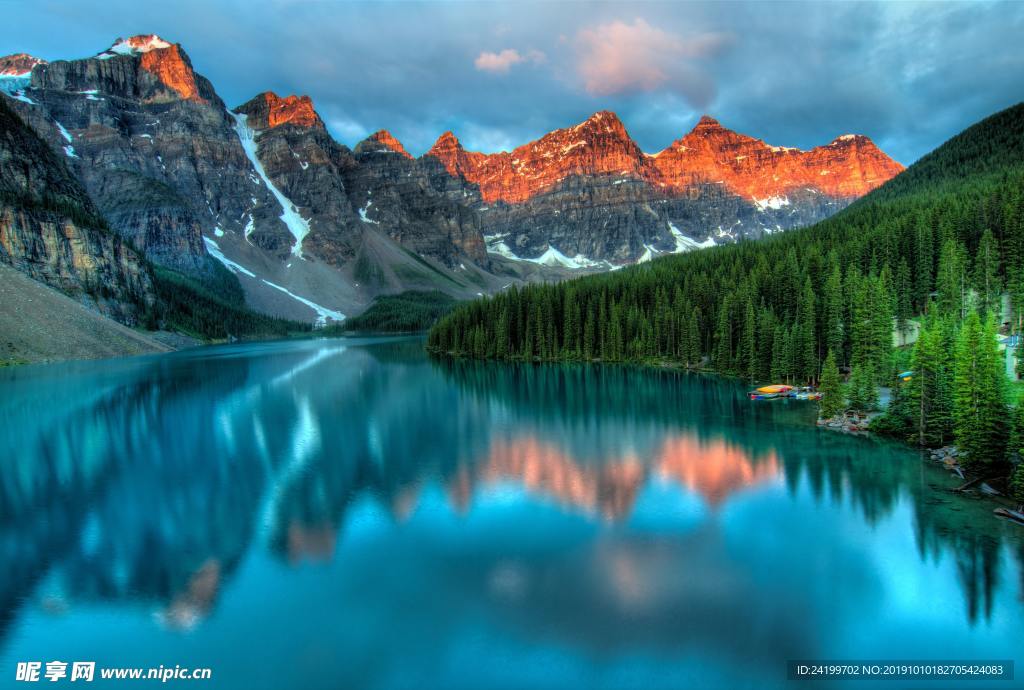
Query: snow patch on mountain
column 323, row 313
column 297, row 225
column 551, row 257
column 213, row 249
column 772, row 202
column 63, row 132
column 12, row 83
column 685, row 244
column 134, row 46
column 363, row 211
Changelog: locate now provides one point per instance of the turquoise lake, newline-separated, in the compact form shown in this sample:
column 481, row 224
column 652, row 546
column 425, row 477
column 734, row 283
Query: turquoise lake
column 354, row 514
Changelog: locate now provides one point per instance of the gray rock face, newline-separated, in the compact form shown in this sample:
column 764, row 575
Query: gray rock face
column 51, row 230
column 308, row 167
column 153, row 144
column 589, row 192
column 293, row 212
column 391, row 190
column 342, row 194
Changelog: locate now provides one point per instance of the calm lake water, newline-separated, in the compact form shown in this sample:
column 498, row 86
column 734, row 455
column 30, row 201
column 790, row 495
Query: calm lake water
column 350, row 513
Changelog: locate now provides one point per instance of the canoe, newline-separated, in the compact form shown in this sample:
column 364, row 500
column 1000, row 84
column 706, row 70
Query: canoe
column 754, row 395
column 777, row 388
column 807, row 395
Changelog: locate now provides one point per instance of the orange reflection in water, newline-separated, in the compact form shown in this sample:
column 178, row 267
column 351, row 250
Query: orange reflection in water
column 714, row 469
column 607, row 489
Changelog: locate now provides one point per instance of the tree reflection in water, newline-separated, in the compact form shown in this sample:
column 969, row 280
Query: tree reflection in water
column 149, row 480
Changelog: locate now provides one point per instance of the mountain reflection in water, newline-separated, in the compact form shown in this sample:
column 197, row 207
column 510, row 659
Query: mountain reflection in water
column 465, row 508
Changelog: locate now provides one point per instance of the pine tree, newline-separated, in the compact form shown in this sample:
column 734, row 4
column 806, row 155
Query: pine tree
column 951, row 280
column 1017, row 484
column 832, row 313
column 748, row 342
column 831, row 388
column 863, row 391
column 904, row 299
column 986, row 274
column 502, row 335
column 924, row 267
column 805, row 346
column 979, row 407
column 1020, row 356
column 930, row 391
column 1015, row 442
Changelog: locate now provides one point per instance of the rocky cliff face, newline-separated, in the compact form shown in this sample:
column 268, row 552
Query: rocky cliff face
column 587, row 195
column 307, row 166
column 302, row 219
column 155, row 147
column 50, row 229
column 847, row 168
column 391, row 191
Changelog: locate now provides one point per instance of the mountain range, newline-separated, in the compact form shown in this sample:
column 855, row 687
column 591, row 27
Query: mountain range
column 155, row 172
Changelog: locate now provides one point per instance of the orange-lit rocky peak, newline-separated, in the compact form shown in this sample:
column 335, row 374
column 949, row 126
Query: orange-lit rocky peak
column 850, row 166
column 446, row 142
column 143, row 43
column 165, row 60
column 603, row 121
column 600, row 145
column 706, row 122
column 382, row 140
column 19, row 64
column 447, row 147
column 172, row 67
column 294, row 110
column 456, row 159
column 268, row 110
column 710, row 153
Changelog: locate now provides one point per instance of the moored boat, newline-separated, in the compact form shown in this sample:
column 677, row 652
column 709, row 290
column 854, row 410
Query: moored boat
column 770, row 392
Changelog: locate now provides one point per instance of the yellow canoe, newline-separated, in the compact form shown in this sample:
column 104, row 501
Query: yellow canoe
column 779, row 388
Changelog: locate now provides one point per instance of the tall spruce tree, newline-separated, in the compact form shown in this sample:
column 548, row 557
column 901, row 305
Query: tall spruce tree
column 863, row 393
column 979, row 407
column 831, row 388
column 986, row 274
column 930, row 390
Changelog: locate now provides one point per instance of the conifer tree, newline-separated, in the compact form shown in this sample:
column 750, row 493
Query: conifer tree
column 832, row 312
column 951, row 280
column 986, row 274
column 979, row 407
column 930, row 390
column 863, row 393
column 904, row 299
column 831, row 388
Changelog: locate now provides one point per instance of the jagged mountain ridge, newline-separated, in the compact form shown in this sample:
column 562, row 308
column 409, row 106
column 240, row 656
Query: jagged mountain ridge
column 188, row 181
column 526, row 195
column 301, row 218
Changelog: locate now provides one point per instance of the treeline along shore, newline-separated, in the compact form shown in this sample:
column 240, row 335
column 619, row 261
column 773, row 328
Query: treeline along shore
column 934, row 256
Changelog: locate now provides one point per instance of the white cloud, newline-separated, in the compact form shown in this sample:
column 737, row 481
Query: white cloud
column 618, row 58
column 501, row 63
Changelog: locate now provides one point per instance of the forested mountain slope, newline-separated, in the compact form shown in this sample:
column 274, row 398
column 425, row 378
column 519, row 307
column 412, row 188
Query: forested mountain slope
column 950, row 226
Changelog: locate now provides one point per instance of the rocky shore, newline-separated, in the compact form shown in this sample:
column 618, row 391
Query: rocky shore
column 849, row 422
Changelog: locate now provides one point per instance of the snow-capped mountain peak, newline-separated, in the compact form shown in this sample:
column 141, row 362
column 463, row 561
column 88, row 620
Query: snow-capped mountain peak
column 135, row 45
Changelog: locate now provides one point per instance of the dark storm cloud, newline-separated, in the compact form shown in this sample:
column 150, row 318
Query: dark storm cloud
column 499, row 74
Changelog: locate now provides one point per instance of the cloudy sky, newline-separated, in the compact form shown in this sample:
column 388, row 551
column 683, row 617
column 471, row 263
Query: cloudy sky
column 499, row 74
